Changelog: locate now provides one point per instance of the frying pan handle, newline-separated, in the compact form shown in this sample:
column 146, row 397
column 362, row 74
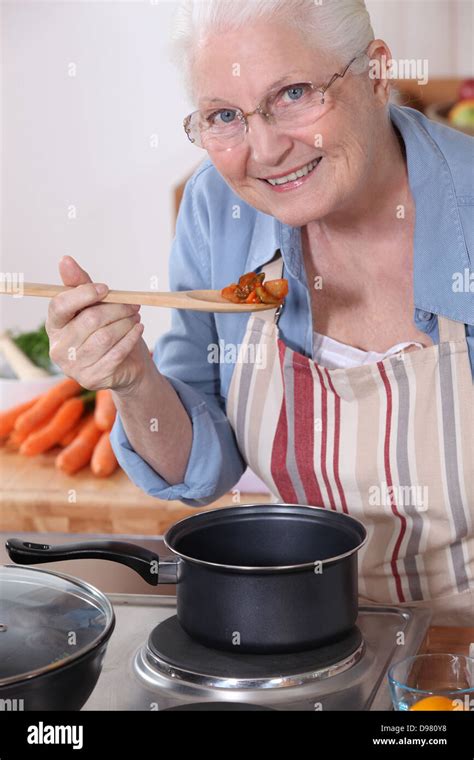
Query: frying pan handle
column 145, row 562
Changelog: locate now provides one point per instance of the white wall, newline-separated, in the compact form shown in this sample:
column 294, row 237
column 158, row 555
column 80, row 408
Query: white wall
column 441, row 31
column 85, row 140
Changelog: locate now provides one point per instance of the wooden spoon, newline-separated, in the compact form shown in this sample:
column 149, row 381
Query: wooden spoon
column 196, row 300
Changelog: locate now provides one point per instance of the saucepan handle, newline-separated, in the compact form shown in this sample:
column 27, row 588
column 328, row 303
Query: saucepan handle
column 145, row 562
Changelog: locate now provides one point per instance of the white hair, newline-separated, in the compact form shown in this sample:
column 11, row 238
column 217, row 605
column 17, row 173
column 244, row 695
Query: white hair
column 340, row 27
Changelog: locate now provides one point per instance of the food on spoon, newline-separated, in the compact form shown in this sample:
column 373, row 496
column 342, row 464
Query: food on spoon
column 251, row 289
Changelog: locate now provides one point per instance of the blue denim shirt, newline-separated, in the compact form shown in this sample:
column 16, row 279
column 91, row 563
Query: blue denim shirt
column 219, row 237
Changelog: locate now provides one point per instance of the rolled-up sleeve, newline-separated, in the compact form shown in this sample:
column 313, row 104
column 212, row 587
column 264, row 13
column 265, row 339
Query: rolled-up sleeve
column 215, row 463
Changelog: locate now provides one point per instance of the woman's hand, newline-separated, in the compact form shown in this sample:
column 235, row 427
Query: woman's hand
column 97, row 344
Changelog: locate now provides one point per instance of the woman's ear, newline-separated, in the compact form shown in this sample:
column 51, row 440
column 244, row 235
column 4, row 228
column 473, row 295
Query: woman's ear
column 380, row 72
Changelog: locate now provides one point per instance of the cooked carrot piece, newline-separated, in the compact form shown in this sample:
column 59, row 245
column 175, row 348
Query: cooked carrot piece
column 252, row 289
column 252, row 298
column 229, row 293
column 104, row 461
column 264, row 296
column 277, row 288
column 105, row 411
column 48, row 402
column 251, row 280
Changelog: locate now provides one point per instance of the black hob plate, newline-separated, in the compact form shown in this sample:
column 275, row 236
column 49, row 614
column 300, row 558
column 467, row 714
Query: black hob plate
column 170, row 643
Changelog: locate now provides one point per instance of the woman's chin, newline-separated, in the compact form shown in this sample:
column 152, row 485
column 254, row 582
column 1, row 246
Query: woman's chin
column 298, row 218
column 295, row 212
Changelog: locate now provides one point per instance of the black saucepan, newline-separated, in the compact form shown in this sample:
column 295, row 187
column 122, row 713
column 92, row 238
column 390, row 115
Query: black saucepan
column 253, row 578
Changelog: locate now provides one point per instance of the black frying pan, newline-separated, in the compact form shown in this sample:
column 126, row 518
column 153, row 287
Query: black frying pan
column 54, row 632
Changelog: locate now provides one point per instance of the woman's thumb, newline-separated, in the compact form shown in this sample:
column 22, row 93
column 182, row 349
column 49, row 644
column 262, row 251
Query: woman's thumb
column 71, row 273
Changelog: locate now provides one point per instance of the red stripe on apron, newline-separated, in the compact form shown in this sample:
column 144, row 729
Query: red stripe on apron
column 304, row 431
column 337, row 434
column 279, row 470
column 388, row 475
column 324, row 435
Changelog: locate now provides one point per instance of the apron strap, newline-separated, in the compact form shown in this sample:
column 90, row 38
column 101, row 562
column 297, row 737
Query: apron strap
column 273, row 271
column 450, row 330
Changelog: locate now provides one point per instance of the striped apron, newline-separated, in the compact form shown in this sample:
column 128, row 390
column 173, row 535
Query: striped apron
column 391, row 443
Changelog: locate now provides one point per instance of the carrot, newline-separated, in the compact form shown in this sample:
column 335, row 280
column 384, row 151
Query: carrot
column 15, row 439
column 8, row 416
column 75, row 456
column 63, row 420
column 103, row 462
column 104, row 412
column 47, row 403
column 71, row 434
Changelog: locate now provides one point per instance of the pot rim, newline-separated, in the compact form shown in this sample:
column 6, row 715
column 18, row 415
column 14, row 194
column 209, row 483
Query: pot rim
column 265, row 569
column 56, row 665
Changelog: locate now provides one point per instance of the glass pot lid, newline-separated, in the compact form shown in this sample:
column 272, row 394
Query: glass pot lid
column 47, row 620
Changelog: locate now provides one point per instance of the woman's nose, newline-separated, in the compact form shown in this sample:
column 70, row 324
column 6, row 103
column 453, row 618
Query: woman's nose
column 267, row 145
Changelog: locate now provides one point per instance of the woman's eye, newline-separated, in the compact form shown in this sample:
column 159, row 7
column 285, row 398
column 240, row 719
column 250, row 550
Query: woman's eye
column 220, row 118
column 295, row 92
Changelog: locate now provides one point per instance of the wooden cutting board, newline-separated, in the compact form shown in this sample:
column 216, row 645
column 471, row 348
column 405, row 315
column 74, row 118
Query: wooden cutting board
column 35, row 496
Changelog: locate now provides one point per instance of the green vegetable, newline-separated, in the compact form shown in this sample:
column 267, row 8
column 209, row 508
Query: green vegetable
column 88, row 398
column 36, row 347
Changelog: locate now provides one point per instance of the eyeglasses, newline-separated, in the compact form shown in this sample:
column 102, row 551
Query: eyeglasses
column 227, row 127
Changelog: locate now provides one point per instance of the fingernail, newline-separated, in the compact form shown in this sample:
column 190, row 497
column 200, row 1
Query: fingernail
column 101, row 288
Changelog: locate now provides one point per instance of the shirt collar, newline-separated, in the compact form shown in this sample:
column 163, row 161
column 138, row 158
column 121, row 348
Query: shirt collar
column 439, row 243
column 272, row 235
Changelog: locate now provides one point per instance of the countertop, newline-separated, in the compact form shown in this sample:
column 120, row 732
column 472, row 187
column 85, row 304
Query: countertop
column 37, row 497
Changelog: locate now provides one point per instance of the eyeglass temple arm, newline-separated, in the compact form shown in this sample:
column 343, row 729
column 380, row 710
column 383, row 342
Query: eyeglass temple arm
column 323, row 89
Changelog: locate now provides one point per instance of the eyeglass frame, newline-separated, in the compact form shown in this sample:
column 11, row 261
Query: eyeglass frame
column 243, row 117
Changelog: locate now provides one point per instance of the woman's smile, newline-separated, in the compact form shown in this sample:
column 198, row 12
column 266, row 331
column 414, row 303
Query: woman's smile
column 293, row 180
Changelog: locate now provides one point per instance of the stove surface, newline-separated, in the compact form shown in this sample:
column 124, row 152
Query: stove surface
column 129, row 680
column 128, row 683
column 172, row 653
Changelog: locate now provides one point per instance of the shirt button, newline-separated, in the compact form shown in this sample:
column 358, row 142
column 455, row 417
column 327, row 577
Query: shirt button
column 425, row 316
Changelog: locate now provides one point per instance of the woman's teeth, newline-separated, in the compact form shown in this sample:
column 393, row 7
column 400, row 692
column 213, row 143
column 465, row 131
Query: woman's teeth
column 296, row 175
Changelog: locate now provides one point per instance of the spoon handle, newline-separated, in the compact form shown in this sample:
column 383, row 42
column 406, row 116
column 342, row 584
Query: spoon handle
column 195, row 300
column 113, row 296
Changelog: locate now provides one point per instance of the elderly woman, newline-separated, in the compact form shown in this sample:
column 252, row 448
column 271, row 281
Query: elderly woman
column 359, row 397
